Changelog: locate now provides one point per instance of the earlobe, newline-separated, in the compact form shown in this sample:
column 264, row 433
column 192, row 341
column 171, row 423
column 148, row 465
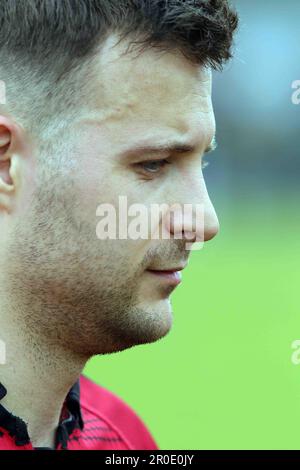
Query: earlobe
column 14, row 148
column 6, row 189
column 5, row 140
column 7, row 170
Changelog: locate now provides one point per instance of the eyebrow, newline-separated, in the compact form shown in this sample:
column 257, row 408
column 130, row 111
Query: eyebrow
column 169, row 147
column 212, row 146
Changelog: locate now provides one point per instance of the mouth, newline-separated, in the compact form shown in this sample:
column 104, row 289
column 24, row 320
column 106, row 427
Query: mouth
column 172, row 276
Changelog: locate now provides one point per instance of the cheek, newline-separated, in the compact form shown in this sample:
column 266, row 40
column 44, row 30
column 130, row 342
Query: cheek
column 87, row 191
column 91, row 177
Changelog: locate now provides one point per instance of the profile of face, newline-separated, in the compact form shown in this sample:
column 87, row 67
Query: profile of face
column 64, row 284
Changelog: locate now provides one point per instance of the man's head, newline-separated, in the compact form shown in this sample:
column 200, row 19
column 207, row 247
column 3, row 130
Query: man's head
column 79, row 100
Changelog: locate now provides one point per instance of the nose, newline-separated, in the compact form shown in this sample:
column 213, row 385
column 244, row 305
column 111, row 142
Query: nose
column 195, row 221
column 211, row 221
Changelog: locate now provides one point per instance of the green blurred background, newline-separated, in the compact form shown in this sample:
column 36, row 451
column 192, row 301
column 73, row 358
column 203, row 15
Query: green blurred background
column 223, row 377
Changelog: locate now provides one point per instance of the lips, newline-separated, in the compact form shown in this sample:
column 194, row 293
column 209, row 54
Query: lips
column 168, row 270
column 165, row 271
column 173, row 276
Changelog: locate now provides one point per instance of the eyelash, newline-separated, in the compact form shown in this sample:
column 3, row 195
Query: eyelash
column 164, row 162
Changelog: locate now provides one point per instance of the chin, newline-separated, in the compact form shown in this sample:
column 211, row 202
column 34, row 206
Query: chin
column 148, row 323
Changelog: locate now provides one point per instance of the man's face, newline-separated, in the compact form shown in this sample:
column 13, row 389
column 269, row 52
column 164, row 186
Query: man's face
column 96, row 296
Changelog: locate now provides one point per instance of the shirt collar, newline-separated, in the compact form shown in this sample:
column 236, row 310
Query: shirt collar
column 71, row 418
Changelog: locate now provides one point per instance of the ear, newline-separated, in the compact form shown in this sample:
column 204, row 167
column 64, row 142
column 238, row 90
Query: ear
column 12, row 144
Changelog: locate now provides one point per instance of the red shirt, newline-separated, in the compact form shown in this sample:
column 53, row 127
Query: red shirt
column 92, row 418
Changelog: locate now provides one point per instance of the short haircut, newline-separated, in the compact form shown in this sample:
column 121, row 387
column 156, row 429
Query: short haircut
column 46, row 46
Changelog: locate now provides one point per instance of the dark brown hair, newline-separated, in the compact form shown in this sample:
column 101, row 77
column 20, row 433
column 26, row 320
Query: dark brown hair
column 203, row 29
column 43, row 41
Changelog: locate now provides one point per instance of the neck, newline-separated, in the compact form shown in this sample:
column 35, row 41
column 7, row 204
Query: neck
column 37, row 375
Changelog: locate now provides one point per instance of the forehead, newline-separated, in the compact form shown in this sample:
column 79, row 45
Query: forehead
column 151, row 92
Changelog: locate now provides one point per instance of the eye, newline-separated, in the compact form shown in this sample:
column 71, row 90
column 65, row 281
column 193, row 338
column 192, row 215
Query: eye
column 154, row 166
